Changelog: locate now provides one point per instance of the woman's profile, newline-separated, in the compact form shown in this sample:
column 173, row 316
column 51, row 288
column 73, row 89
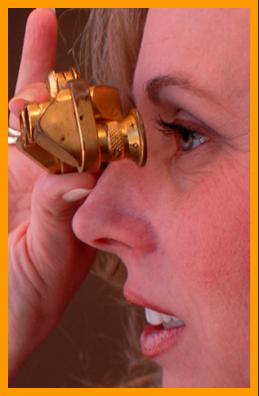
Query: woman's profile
column 180, row 224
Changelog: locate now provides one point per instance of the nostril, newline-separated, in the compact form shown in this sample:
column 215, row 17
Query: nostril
column 109, row 242
column 100, row 224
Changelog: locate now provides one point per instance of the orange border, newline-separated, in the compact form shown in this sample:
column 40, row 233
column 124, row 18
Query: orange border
column 253, row 390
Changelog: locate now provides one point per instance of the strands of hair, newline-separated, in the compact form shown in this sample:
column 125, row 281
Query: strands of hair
column 112, row 37
column 105, row 51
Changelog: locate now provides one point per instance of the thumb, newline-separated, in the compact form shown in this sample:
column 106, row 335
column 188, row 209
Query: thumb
column 55, row 199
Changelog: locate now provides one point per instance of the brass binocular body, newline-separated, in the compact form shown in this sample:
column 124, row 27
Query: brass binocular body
column 80, row 127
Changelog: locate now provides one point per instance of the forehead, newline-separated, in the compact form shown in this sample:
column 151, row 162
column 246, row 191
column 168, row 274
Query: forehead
column 210, row 45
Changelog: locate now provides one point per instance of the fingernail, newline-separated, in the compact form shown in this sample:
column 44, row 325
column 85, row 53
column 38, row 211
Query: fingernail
column 76, row 194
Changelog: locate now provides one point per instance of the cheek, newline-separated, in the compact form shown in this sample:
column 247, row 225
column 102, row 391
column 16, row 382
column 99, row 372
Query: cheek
column 210, row 230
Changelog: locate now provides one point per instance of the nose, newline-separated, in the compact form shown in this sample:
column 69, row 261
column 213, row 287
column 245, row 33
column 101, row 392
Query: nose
column 115, row 216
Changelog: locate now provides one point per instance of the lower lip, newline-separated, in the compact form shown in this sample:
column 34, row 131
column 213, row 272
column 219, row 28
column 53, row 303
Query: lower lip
column 155, row 340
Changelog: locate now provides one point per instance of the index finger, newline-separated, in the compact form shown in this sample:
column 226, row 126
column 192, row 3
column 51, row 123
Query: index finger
column 39, row 47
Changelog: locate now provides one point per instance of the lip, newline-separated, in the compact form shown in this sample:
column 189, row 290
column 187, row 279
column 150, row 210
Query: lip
column 155, row 340
column 135, row 299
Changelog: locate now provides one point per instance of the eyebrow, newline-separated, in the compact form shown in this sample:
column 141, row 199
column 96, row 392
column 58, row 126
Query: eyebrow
column 154, row 86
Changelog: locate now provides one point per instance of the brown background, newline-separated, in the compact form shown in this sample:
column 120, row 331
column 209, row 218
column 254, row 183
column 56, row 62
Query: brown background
column 81, row 351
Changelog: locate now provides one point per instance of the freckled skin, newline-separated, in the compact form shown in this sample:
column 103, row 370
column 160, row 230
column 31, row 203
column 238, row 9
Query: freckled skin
column 193, row 208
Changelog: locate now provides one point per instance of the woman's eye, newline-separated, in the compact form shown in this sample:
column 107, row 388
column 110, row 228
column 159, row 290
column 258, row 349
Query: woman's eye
column 186, row 137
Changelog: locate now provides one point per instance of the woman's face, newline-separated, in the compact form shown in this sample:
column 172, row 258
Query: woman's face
column 181, row 223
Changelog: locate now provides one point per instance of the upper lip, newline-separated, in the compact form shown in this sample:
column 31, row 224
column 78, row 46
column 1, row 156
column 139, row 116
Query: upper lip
column 136, row 299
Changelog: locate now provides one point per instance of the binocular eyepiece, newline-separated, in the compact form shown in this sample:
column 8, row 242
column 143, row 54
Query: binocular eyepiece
column 80, row 127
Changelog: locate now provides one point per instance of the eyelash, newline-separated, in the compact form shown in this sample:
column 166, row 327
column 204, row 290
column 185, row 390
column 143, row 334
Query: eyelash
column 181, row 132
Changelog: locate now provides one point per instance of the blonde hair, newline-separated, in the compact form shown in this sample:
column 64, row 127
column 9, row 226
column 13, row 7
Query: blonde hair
column 112, row 37
column 108, row 54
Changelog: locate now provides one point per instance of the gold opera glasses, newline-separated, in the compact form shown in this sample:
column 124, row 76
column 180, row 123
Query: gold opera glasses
column 80, row 127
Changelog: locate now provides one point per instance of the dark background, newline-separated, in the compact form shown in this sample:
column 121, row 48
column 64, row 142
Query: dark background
column 71, row 24
column 81, row 351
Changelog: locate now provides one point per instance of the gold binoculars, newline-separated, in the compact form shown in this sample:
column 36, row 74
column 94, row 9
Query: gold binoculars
column 80, row 127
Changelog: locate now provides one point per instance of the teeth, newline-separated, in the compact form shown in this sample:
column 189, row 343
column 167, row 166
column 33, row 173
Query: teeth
column 153, row 317
column 174, row 322
column 166, row 318
column 156, row 318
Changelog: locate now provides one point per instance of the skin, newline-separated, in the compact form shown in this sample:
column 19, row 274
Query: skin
column 41, row 282
column 180, row 224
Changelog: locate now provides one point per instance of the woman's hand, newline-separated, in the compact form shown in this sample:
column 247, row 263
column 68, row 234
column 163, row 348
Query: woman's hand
column 47, row 262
